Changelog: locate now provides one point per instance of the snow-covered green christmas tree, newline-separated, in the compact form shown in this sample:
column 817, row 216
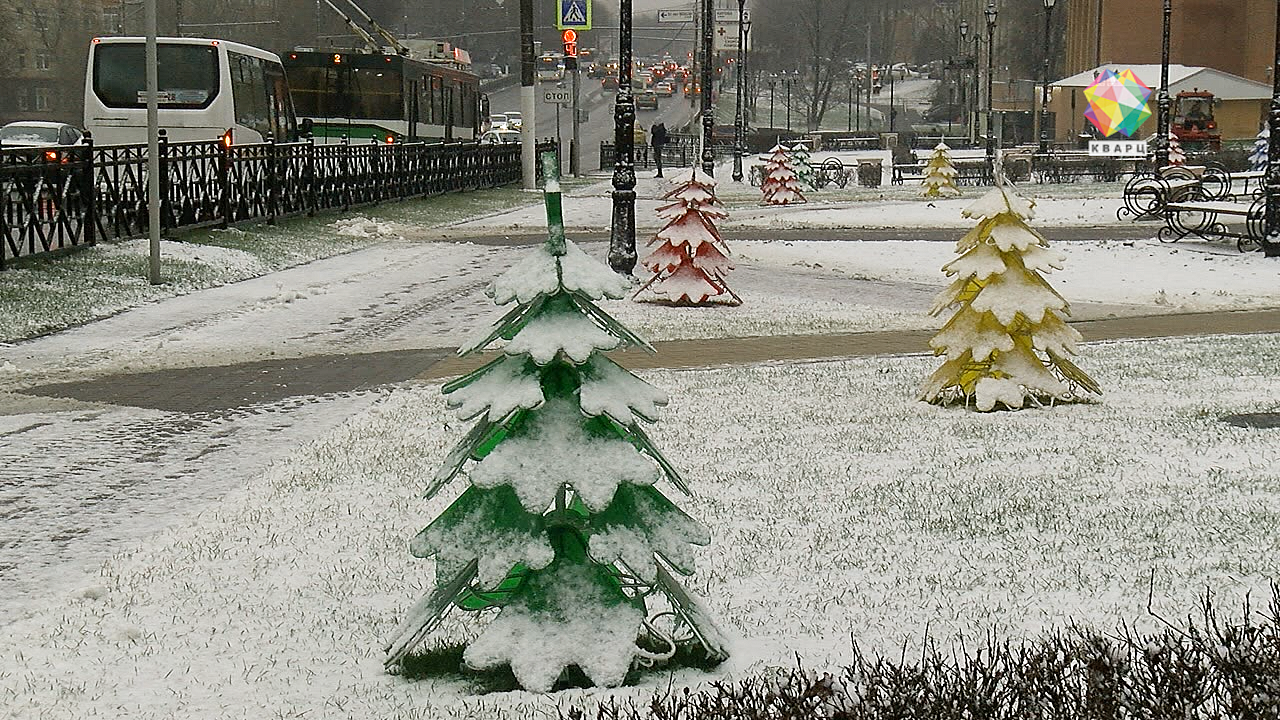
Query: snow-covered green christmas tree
column 1261, row 149
column 562, row 527
column 939, row 174
column 800, row 164
column 1007, row 344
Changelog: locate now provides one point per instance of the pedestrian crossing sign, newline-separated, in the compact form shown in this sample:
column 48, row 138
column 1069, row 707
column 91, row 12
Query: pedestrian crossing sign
column 573, row 14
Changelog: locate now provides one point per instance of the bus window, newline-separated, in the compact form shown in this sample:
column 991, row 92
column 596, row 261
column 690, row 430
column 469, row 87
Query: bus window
column 283, row 123
column 187, row 75
column 249, row 90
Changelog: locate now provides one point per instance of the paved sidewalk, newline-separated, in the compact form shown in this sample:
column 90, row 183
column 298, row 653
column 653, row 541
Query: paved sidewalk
column 221, row 388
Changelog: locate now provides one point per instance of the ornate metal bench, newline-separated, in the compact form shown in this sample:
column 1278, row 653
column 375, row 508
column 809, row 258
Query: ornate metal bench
column 1201, row 219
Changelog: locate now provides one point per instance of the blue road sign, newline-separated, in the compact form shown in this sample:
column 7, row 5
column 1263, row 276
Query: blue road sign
column 573, row 14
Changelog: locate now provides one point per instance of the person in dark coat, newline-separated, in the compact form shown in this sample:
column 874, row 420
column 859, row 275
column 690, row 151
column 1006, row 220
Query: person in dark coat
column 658, row 138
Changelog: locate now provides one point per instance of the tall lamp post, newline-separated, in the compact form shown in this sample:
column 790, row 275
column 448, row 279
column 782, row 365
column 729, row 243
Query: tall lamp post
column 1162, row 99
column 739, row 124
column 708, row 79
column 773, row 84
column 622, row 234
column 991, row 12
column 964, row 81
column 1271, row 238
column 1044, row 93
column 787, row 80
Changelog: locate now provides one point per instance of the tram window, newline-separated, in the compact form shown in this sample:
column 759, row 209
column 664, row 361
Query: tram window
column 375, row 94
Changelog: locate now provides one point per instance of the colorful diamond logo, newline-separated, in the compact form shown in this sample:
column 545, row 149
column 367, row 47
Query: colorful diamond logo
column 1117, row 103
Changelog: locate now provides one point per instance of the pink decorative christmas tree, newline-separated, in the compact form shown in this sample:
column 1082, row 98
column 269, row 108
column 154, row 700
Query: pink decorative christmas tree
column 1176, row 155
column 781, row 186
column 690, row 260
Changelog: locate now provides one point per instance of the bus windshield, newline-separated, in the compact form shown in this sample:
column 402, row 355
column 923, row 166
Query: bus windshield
column 347, row 92
column 187, row 75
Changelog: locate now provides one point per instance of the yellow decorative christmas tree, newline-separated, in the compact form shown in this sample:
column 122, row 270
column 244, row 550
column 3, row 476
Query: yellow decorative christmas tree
column 939, row 174
column 1007, row 344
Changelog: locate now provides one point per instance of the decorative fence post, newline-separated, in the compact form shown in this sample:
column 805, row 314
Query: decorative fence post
column 273, row 179
column 224, row 181
column 88, row 187
column 309, row 173
column 167, row 220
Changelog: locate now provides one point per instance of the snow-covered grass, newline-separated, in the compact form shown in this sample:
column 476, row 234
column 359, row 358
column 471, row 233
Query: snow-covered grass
column 839, row 506
column 41, row 295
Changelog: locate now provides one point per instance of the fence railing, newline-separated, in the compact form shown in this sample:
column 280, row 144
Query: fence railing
column 60, row 198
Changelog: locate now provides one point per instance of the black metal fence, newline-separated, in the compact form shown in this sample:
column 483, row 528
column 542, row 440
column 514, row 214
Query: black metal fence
column 63, row 198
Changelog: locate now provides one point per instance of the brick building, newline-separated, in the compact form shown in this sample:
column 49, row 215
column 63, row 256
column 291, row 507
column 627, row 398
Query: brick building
column 1235, row 36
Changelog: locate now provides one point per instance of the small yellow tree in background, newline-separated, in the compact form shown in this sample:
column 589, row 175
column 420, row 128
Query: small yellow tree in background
column 939, row 174
column 1007, row 344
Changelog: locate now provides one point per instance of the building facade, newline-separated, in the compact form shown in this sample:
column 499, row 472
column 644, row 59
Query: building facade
column 1235, row 36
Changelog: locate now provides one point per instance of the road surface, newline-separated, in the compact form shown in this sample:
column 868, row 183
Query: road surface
column 674, row 111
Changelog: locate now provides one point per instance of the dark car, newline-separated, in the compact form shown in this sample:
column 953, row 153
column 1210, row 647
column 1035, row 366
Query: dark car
column 609, row 83
column 647, row 100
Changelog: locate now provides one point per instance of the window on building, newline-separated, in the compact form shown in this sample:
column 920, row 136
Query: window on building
column 24, row 103
column 42, row 98
column 20, row 60
column 42, row 61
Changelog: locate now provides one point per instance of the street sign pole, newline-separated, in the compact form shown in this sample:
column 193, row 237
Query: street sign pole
column 528, row 107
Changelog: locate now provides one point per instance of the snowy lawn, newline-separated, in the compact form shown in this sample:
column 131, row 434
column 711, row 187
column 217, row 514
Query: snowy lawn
column 840, row 508
column 42, row 295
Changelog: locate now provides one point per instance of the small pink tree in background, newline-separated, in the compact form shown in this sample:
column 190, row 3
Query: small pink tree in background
column 1176, row 155
column 690, row 260
column 781, row 185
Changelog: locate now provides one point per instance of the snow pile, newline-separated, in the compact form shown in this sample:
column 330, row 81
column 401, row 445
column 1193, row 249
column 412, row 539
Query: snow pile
column 231, row 261
column 359, row 226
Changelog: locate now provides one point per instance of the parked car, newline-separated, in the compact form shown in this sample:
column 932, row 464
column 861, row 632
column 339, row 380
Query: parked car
column 36, row 133
column 647, row 100
column 498, row 122
column 664, row 89
column 500, row 137
column 514, row 121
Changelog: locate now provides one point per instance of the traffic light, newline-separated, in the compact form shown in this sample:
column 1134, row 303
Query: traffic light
column 570, row 38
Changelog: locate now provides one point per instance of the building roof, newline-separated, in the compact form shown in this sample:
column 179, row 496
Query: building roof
column 1223, row 85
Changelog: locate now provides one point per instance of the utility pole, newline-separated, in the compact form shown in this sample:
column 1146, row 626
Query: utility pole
column 575, row 149
column 153, row 147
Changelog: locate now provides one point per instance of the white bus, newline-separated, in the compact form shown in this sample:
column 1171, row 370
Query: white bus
column 206, row 88
column 550, row 67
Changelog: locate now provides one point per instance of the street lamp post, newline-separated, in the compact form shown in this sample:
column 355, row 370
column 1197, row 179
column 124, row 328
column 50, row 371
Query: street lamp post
column 1162, row 99
column 708, row 78
column 1271, row 238
column 773, row 83
column 786, row 81
column 1044, row 93
column 964, row 81
column 849, row 108
column 739, row 129
column 622, row 233
column 991, row 45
